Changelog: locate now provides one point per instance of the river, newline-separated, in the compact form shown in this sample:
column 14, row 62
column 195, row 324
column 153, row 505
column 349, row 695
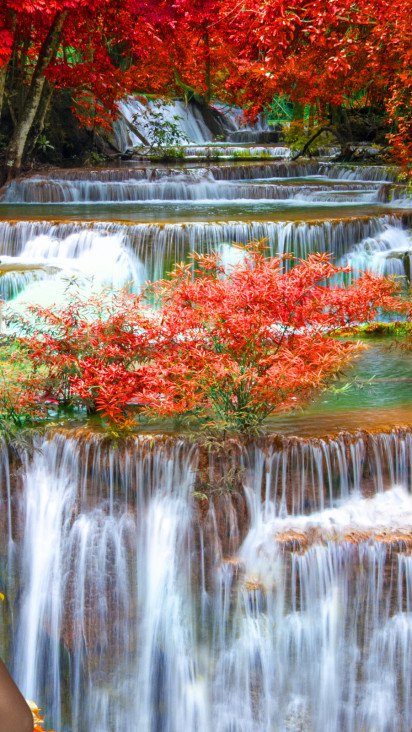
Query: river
column 142, row 596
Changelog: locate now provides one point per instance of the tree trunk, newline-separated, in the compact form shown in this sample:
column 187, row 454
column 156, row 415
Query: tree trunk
column 11, row 108
column 38, row 124
column 18, row 141
column 135, row 131
column 3, row 74
column 318, row 132
column 206, row 41
column 189, row 91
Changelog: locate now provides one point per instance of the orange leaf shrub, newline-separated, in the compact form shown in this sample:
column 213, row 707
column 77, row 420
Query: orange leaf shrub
column 38, row 721
column 231, row 344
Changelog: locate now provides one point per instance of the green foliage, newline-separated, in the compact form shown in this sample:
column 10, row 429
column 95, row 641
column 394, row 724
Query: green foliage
column 242, row 154
column 279, row 111
column 43, row 144
column 97, row 158
column 397, row 329
column 17, row 412
column 165, row 136
column 168, row 154
column 249, row 154
column 295, row 137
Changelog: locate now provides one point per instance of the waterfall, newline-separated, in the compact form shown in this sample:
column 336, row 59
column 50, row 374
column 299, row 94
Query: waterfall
column 34, row 252
column 316, row 644
column 132, row 606
column 305, row 168
column 119, row 253
column 154, row 585
column 388, row 253
column 84, row 545
column 359, row 172
column 199, row 186
column 191, row 121
column 191, row 125
column 235, row 151
column 226, row 182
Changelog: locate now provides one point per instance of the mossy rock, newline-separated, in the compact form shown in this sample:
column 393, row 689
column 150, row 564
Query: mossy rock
column 396, row 329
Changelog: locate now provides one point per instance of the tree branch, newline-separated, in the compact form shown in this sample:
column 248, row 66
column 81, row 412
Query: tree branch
column 317, row 133
column 135, row 131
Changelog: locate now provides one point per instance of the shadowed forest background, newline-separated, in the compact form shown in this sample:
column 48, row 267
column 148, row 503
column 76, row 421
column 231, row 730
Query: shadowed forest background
column 65, row 65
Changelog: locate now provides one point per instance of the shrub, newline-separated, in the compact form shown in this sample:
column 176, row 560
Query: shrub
column 229, row 346
column 86, row 354
column 251, row 340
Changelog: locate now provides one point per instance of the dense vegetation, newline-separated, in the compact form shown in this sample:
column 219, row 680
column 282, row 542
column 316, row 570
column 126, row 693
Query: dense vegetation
column 226, row 348
column 335, row 62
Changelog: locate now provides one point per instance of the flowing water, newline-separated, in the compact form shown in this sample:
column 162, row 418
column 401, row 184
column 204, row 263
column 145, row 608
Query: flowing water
column 133, row 604
column 153, row 586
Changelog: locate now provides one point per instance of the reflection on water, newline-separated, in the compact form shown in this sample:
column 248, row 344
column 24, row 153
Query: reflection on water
column 311, row 423
column 380, row 397
column 177, row 211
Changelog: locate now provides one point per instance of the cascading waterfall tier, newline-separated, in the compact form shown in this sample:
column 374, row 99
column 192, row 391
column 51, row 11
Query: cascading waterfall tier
column 388, row 253
column 33, row 251
column 153, row 585
column 213, row 182
column 187, row 119
column 184, row 188
column 114, row 253
column 303, row 169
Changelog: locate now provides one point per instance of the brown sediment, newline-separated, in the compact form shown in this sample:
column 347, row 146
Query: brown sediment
column 397, row 540
column 312, row 218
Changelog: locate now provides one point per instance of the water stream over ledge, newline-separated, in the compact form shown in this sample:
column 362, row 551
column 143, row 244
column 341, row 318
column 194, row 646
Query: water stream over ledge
column 142, row 596
column 154, row 586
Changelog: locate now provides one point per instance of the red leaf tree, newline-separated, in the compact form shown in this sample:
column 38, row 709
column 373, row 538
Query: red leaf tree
column 333, row 53
column 88, row 353
column 245, row 342
column 227, row 346
column 94, row 48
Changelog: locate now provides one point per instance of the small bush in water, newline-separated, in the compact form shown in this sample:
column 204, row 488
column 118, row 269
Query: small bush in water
column 227, row 345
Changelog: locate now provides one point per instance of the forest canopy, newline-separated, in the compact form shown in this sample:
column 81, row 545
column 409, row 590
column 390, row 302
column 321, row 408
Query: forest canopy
column 326, row 57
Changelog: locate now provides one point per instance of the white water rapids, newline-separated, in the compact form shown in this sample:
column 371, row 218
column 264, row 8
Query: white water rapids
column 94, row 255
column 127, row 616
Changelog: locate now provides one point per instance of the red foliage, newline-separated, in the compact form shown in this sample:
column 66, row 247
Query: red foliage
column 244, row 343
column 316, row 52
column 232, row 345
column 96, row 35
column 88, row 353
column 38, row 721
column 326, row 53
column 245, row 52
